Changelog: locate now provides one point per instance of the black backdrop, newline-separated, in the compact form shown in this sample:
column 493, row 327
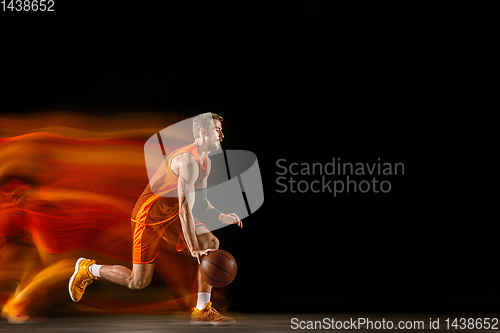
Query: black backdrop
column 304, row 81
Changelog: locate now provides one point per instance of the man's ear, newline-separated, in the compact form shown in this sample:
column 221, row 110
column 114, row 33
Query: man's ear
column 203, row 132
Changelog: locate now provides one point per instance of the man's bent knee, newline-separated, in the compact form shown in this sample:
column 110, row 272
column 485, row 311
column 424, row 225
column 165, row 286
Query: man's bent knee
column 141, row 276
column 215, row 243
column 206, row 240
column 211, row 242
column 138, row 284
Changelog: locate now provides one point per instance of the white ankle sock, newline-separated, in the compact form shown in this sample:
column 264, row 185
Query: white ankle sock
column 203, row 299
column 95, row 270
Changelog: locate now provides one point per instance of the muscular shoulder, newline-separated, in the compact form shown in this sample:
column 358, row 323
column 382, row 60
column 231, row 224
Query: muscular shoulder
column 184, row 162
column 183, row 158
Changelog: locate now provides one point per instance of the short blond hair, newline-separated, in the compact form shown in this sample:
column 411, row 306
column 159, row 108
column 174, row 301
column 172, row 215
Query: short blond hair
column 203, row 120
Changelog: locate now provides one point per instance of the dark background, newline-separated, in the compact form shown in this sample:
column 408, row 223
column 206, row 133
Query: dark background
column 304, row 81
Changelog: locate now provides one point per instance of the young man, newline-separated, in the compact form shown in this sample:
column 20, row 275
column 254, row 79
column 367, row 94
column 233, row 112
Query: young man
column 166, row 212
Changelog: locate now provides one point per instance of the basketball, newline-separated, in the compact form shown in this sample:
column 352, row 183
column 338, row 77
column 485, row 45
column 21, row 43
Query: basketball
column 218, row 268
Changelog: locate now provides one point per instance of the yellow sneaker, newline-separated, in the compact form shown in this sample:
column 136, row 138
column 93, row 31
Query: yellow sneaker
column 209, row 316
column 81, row 279
column 14, row 314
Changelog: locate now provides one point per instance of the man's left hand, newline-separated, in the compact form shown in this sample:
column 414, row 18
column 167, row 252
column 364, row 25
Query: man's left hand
column 232, row 219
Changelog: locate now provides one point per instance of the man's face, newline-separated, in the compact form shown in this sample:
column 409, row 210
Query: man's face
column 215, row 135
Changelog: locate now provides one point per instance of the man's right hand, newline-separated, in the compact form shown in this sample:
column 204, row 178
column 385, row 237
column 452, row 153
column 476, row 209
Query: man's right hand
column 198, row 254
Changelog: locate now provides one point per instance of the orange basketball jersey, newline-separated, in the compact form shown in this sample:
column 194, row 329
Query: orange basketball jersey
column 162, row 205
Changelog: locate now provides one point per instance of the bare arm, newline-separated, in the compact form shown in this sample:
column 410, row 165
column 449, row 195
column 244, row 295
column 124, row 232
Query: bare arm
column 187, row 171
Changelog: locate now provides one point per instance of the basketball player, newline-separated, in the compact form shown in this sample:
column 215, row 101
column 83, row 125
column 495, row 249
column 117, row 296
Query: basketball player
column 157, row 216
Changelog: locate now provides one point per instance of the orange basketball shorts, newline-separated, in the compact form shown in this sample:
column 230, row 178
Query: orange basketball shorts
column 147, row 238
